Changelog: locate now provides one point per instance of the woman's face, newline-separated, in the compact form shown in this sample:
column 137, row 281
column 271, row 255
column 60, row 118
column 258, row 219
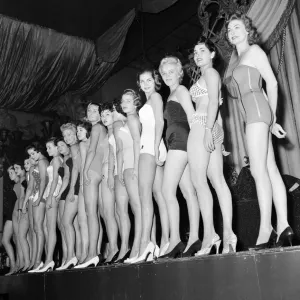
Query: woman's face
column 18, row 170
column 202, row 55
column 51, row 149
column 27, row 165
column 69, row 136
column 107, row 117
column 12, row 174
column 81, row 133
column 63, row 148
column 33, row 154
column 147, row 83
column 236, row 32
column 127, row 103
column 170, row 74
column 93, row 114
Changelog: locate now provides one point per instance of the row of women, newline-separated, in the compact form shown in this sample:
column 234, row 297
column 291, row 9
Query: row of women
column 119, row 159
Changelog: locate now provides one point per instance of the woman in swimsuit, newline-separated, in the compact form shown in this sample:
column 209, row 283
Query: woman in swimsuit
column 179, row 110
column 39, row 203
column 205, row 151
column 108, row 195
column 23, row 225
column 92, row 176
column 74, row 212
column 51, row 191
column 152, row 157
column 259, row 112
column 128, row 151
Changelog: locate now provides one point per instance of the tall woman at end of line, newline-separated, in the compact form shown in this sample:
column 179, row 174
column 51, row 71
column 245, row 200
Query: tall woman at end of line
column 259, row 112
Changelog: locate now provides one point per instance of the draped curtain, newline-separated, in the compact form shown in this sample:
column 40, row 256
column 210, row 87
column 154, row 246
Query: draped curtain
column 38, row 65
column 278, row 22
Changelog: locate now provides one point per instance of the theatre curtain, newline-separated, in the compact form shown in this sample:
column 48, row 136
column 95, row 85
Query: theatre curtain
column 278, row 22
column 38, row 65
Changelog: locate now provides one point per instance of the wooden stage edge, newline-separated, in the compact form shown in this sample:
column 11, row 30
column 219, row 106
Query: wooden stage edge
column 270, row 274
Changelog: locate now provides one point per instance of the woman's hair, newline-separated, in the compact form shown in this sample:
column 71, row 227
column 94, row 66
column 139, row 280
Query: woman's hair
column 117, row 105
column 53, row 140
column 107, row 106
column 61, row 139
column 11, row 167
column 36, row 146
column 20, row 163
column 155, row 75
column 208, row 44
column 253, row 35
column 87, row 126
column 68, row 126
column 135, row 96
column 172, row 60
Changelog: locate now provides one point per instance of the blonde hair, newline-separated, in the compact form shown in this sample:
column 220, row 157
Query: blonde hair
column 68, row 126
column 172, row 60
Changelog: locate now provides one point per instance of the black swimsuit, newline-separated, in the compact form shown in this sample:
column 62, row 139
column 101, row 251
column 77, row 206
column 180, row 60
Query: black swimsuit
column 178, row 127
column 69, row 163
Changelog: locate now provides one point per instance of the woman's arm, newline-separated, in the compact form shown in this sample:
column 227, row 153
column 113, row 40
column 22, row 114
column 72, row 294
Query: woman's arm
column 157, row 106
column 76, row 160
column 119, row 146
column 55, row 164
column 42, row 165
column 29, row 189
column 185, row 100
column 134, row 128
column 65, row 181
column 82, row 148
column 111, row 167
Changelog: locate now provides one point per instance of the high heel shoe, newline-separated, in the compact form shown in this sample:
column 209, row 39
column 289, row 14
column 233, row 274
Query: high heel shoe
column 269, row 244
column 131, row 260
column 164, row 249
column 113, row 260
column 46, row 268
column 92, row 262
column 176, row 252
column 286, row 237
column 101, row 260
column 36, row 269
column 229, row 245
column 215, row 243
column 147, row 254
column 195, row 247
column 68, row 265
column 156, row 252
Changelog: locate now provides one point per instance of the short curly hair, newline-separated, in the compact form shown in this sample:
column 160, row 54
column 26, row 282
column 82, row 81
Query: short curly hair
column 68, row 126
column 135, row 96
column 155, row 75
column 87, row 126
column 36, row 146
column 253, row 35
column 172, row 60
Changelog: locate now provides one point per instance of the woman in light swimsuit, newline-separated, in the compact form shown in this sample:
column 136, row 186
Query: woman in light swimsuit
column 153, row 154
column 74, row 218
column 259, row 112
column 35, row 151
column 51, row 191
column 205, row 151
column 108, row 195
column 178, row 111
column 128, row 151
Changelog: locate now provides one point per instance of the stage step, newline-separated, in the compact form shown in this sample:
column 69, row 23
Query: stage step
column 265, row 275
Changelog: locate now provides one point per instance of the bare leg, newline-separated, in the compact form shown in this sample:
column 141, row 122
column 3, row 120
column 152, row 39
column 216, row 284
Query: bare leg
column 23, row 230
column 257, row 135
column 134, row 200
column 6, row 241
column 122, row 199
column 78, row 240
column 33, row 235
column 83, row 226
column 61, row 208
column 100, row 215
column 20, row 257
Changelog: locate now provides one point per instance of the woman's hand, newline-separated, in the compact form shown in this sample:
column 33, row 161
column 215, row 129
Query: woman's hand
column 57, row 198
column 121, row 178
column 158, row 162
column 70, row 196
column 278, row 131
column 208, row 141
column 110, row 182
column 37, row 202
column 134, row 174
column 49, row 203
column 86, row 179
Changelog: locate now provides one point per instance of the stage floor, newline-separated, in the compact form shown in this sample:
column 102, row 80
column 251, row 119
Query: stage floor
column 271, row 274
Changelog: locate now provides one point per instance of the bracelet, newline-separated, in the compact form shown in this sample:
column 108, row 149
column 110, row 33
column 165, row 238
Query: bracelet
column 208, row 128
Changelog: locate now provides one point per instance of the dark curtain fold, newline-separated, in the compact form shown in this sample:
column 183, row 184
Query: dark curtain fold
column 38, row 65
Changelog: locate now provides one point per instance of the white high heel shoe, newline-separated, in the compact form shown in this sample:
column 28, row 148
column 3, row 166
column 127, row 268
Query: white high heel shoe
column 36, row 269
column 229, row 244
column 147, row 254
column 93, row 261
column 156, row 252
column 216, row 241
column 164, row 249
column 46, row 268
column 131, row 260
column 72, row 262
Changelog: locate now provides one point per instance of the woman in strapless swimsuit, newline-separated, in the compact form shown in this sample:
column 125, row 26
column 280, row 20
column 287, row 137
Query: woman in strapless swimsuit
column 51, row 191
column 128, row 151
column 178, row 111
column 74, row 217
column 35, row 151
column 259, row 112
column 205, row 151
column 152, row 157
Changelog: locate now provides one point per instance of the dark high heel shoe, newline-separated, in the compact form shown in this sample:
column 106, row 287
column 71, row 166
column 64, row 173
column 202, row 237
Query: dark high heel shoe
column 286, row 237
column 195, row 247
column 176, row 252
column 107, row 263
column 101, row 260
column 269, row 244
column 121, row 260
